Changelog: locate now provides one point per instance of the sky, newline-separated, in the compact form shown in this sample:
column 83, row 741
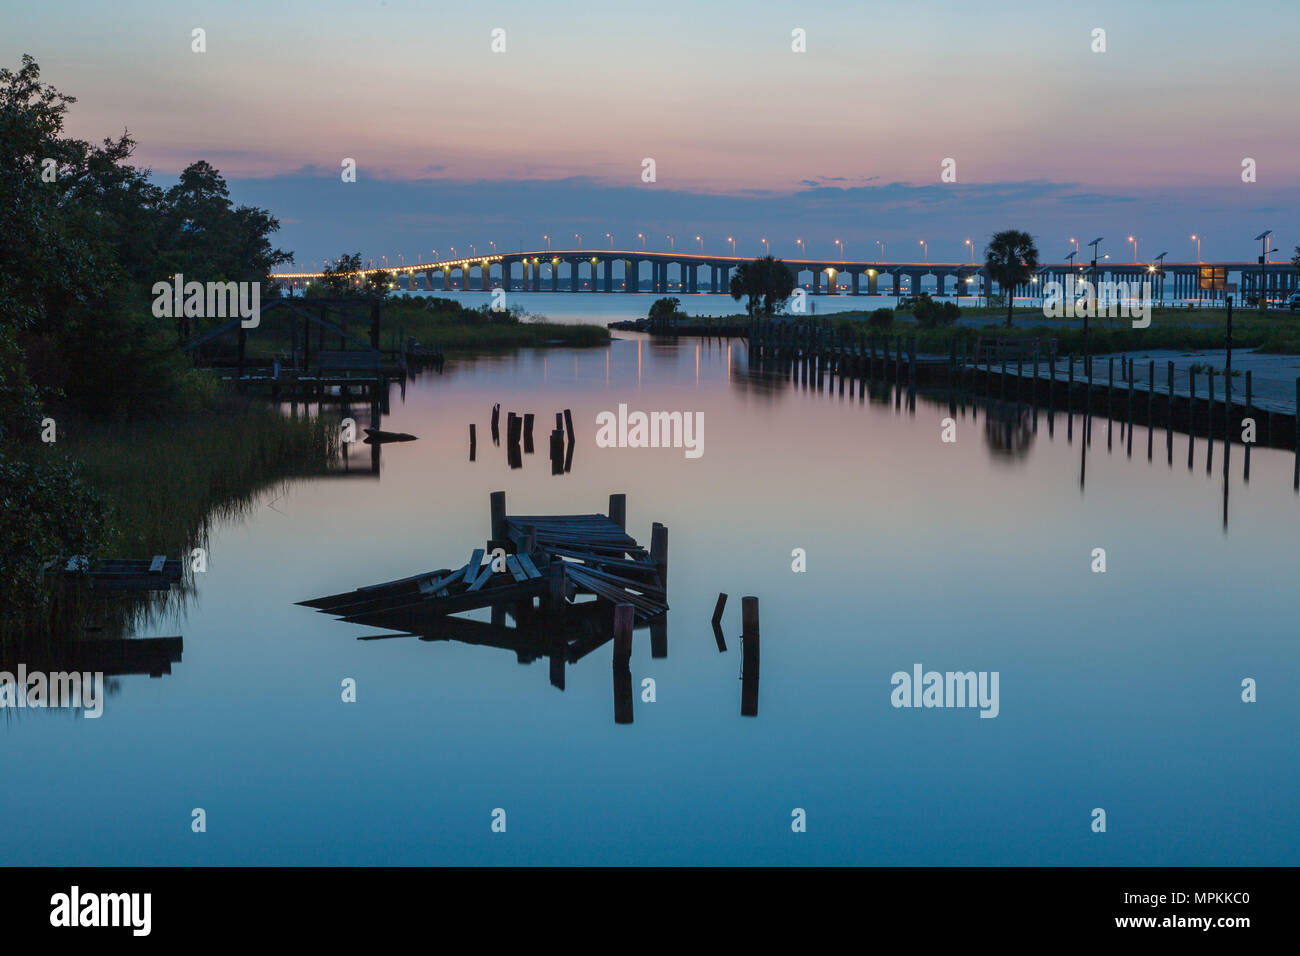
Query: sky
column 457, row 144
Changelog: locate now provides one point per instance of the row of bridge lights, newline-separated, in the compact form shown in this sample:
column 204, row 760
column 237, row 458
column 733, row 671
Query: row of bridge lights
column 767, row 249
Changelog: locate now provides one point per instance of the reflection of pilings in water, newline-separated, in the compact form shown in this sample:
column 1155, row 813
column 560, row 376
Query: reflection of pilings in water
column 749, row 657
column 717, row 623
column 623, row 615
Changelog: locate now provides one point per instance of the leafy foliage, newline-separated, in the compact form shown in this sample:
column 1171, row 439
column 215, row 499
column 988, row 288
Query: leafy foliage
column 768, row 282
column 1011, row 259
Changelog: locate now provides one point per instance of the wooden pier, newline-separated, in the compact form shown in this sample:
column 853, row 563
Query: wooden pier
column 531, row 565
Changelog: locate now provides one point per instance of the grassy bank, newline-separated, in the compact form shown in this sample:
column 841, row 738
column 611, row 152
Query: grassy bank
column 447, row 324
column 1178, row 329
column 166, row 481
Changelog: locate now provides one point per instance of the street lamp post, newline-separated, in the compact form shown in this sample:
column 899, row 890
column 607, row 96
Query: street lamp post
column 610, row 237
column 701, row 242
column 672, row 243
column 1264, row 250
column 767, row 247
column 548, row 243
column 641, row 236
column 841, row 245
column 732, row 240
column 802, row 251
column 925, row 249
column 972, row 251
column 1135, row 249
column 1197, row 239
column 882, row 250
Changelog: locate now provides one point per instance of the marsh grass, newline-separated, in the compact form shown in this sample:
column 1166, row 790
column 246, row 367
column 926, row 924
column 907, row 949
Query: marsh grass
column 167, row 482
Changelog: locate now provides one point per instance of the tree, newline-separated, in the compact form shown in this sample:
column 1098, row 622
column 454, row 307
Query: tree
column 1011, row 259
column 663, row 312
column 337, row 280
column 768, row 282
column 376, row 283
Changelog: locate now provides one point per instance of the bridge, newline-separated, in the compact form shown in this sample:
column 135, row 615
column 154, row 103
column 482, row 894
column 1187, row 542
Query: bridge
column 592, row 270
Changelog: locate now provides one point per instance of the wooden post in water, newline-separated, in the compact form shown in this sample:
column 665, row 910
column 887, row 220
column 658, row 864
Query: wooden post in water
column 568, row 424
column 1209, row 426
column 1295, row 481
column 473, row 441
column 659, row 551
column 719, row 607
column 1151, row 397
column 1169, row 418
column 1191, row 413
column 1130, row 412
column 528, row 432
column 498, row 506
column 749, row 657
column 623, row 617
column 618, row 510
column 1250, row 414
column 556, row 579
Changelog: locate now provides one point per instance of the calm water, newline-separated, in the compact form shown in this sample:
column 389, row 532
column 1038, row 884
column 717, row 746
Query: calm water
column 1118, row 690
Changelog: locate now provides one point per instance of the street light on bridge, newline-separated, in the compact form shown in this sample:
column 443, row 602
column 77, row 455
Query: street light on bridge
column 548, row 243
column 731, row 239
column 767, row 247
column 494, row 246
column 610, row 237
column 641, row 236
column 578, row 236
column 972, row 251
column 672, row 242
column 1135, row 249
column 882, row 250
column 1197, row 239
column 802, row 253
column 925, row 249
column 841, row 245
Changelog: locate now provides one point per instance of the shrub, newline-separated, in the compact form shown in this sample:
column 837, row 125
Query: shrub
column 881, row 319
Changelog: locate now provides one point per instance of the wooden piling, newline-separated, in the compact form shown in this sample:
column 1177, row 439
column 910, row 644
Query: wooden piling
column 618, row 510
column 1191, row 415
column 1250, row 414
column 621, row 663
column 498, row 506
column 568, row 424
column 473, row 441
column 659, row 550
column 749, row 657
column 719, row 607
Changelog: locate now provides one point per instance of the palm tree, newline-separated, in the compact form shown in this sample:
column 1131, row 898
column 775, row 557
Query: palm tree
column 768, row 282
column 1011, row 259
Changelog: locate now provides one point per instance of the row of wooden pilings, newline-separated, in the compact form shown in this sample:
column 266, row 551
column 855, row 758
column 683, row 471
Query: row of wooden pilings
column 622, row 657
column 815, row 350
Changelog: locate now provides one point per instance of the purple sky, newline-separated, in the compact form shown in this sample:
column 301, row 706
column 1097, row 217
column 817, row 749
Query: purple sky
column 457, row 144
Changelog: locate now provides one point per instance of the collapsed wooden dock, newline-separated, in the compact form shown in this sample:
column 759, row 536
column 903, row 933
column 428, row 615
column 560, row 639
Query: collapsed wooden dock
column 158, row 573
column 531, row 565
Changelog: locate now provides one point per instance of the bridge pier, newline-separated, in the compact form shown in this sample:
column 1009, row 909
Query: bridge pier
column 505, row 276
column 631, row 275
column 609, row 274
column 816, row 281
column 832, row 282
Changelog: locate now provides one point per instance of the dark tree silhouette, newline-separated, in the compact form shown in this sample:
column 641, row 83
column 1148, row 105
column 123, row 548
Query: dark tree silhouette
column 1011, row 259
column 768, row 282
